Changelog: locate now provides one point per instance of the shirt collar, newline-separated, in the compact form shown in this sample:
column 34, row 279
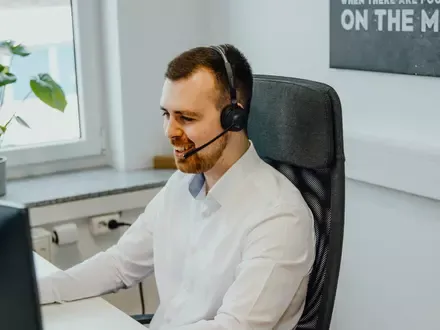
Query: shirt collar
column 226, row 185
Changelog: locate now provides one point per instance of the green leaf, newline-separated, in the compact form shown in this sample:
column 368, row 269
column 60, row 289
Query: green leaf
column 6, row 77
column 21, row 121
column 9, row 121
column 18, row 49
column 48, row 91
column 3, row 128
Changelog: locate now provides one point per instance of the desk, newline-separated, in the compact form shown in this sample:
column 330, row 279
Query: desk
column 87, row 314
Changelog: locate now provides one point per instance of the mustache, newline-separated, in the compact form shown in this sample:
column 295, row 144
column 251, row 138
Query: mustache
column 179, row 142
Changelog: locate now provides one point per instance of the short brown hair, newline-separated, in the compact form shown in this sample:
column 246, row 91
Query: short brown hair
column 188, row 62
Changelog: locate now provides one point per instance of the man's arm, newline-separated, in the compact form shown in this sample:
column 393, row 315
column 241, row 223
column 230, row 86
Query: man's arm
column 121, row 266
column 279, row 254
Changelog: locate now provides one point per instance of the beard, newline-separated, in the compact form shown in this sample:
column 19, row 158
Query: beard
column 205, row 159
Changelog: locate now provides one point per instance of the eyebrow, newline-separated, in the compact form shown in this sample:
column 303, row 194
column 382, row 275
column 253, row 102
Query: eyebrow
column 184, row 112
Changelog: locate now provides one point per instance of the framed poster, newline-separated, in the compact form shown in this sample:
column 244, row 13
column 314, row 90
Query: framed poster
column 395, row 36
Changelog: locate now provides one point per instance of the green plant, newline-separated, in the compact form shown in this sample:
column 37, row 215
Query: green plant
column 42, row 85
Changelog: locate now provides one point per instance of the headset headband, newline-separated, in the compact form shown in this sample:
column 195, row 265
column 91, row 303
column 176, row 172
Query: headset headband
column 230, row 74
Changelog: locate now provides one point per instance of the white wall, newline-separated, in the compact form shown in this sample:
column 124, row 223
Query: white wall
column 390, row 271
column 140, row 38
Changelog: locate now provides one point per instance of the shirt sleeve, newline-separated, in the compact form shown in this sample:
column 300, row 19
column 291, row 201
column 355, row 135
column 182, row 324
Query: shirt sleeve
column 278, row 256
column 121, row 266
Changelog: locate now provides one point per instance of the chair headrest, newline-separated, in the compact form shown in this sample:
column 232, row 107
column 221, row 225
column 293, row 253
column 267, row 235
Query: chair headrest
column 291, row 121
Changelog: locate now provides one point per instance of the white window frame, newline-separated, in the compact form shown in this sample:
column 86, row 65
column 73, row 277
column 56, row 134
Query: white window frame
column 88, row 51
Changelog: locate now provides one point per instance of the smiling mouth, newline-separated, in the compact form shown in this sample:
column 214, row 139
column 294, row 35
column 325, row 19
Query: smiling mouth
column 183, row 148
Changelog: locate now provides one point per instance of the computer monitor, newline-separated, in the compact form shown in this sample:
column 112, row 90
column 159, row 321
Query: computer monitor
column 19, row 299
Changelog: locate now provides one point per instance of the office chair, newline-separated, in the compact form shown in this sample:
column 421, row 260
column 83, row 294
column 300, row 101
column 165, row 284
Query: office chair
column 296, row 127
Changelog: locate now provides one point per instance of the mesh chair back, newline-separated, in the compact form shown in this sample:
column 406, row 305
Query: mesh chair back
column 296, row 126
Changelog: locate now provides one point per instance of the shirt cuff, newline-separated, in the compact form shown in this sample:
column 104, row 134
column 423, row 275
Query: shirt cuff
column 46, row 291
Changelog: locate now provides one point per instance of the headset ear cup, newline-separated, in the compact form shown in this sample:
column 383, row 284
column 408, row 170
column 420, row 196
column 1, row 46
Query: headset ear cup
column 233, row 118
column 225, row 118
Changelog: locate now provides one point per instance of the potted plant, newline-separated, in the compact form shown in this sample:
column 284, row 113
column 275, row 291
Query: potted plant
column 42, row 85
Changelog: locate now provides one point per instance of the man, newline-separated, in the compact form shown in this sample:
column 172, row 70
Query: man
column 230, row 239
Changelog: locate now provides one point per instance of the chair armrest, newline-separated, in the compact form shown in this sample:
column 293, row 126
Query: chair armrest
column 143, row 318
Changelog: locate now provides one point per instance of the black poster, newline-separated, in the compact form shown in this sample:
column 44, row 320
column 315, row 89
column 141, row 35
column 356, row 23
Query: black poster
column 396, row 36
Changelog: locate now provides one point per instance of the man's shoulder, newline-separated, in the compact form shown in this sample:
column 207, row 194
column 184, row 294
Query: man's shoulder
column 270, row 195
column 269, row 184
column 281, row 220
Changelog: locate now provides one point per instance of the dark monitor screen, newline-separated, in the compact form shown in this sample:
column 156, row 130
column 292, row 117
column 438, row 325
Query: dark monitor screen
column 19, row 300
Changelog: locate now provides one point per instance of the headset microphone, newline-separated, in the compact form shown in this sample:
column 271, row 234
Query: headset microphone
column 233, row 117
column 192, row 152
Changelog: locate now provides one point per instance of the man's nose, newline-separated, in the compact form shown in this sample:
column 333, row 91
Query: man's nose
column 172, row 128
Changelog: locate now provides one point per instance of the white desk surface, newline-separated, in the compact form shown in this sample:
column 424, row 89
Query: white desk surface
column 87, row 314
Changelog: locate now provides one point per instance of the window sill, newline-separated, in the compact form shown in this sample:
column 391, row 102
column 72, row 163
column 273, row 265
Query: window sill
column 65, row 196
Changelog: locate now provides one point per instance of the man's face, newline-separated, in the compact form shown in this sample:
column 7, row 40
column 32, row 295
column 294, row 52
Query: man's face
column 191, row 119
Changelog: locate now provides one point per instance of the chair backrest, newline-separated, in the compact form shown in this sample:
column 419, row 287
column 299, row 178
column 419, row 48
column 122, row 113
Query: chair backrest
column 296, row 126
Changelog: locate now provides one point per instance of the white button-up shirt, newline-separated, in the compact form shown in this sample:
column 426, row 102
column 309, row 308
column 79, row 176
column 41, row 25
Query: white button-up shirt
column 236, row 258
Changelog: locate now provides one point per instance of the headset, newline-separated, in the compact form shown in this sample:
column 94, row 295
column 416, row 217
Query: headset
column 233, row 117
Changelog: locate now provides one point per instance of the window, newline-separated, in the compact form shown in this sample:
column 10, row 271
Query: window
column 63, row 38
